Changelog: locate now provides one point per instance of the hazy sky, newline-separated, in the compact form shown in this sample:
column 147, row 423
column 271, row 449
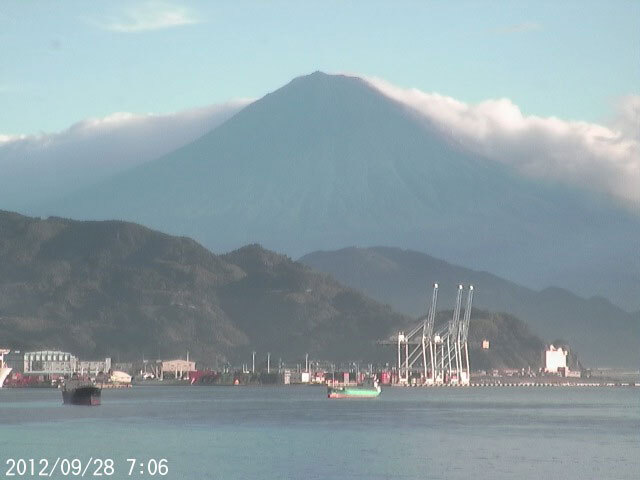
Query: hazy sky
column 61, row 62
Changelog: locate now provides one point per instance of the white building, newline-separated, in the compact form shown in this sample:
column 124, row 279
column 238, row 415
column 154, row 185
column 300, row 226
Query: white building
column 555, row 358
column 49, row 362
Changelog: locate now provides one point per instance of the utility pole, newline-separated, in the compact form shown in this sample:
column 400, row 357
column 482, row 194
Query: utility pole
column 306, row 362
column 253, row 362
column 268, row 362
column 400, row 339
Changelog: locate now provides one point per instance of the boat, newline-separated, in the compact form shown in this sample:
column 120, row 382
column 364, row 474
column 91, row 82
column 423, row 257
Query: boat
column 370, row 390
column 4, row 373
column 77, row 392
column 4, row 370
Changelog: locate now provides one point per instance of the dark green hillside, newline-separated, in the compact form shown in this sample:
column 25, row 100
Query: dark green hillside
column 110, row 288
column 284, row 305
column 511, row 344
column 115, row 288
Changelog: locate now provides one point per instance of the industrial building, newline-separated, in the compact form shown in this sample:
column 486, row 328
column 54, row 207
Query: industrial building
column 290, row 377
column 555, row 358
column 49, row 362
column 178, row 367
column 93, row 367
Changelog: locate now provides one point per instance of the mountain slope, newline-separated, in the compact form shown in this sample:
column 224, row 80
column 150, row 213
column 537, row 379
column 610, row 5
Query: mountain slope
column 99, row 288
column 328, row 161
column 282, row 305
column 511, row 343
column 600, row 332
column 115, row 288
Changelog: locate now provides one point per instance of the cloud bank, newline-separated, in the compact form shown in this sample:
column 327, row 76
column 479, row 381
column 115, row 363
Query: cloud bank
column 52, row 165
column 152, row 16
column 519, row 28
column 605, row 159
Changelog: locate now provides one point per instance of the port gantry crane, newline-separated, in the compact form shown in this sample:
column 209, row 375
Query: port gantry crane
column 443, row 355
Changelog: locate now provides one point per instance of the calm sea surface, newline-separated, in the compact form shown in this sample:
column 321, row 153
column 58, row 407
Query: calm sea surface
column 296, row 432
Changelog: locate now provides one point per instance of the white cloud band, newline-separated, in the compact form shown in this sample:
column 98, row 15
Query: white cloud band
column 587, row 155
column 51, row 165
column 152, row 16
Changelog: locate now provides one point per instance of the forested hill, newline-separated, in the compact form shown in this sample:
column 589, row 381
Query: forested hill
column 120, row 289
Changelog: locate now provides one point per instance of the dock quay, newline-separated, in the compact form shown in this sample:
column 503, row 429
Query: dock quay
column 524, row 384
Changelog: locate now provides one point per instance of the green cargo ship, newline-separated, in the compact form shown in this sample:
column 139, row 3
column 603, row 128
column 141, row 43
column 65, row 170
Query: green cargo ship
column 356, row 391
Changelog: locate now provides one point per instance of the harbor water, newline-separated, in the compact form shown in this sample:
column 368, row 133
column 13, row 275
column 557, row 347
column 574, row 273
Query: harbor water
column 231, row 433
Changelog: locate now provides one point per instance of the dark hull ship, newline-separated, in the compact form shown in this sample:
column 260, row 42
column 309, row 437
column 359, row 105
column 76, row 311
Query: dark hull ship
column 80, row 393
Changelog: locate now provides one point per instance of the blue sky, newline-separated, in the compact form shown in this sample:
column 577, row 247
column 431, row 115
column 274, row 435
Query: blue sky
column 64, row 61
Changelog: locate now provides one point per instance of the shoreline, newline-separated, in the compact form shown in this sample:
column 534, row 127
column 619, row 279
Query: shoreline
column 487, row 384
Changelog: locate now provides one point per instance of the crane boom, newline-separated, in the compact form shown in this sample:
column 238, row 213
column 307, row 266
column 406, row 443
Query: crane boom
column 455, row 321
column 467, row 315
column 427, row 331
